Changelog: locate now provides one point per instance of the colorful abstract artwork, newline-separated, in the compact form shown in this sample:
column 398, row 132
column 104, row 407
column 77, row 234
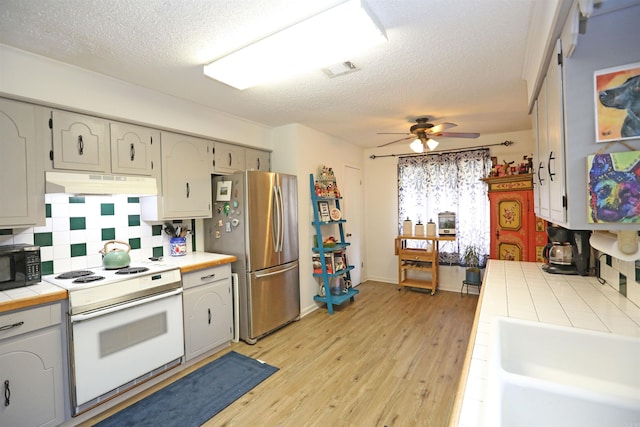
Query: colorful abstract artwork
column 617, row 103
column 614, row 187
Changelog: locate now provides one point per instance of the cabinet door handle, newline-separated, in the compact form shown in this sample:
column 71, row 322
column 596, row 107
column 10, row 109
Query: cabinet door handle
column 230, row 159
column 551, row 174
column 188, row 190
column 258, row 163
column 540, row 167
column 80, row 145
column 210, row 276
column 348, row 234
column 132, row 152
column 7, row 393
column 497, row 234
column 7, row 327
column 209, row 313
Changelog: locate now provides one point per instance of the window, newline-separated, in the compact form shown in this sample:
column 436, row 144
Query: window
column 434, row 183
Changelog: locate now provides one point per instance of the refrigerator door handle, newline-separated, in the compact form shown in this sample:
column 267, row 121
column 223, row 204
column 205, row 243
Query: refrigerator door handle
column 277, row 272
column 281, row 219
column 275, row 221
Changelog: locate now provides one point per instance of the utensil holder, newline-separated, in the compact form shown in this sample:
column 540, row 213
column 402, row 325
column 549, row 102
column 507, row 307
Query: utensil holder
column 178, row 246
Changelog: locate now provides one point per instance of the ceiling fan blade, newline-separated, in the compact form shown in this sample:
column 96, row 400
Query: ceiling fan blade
column 397, row 140
column 440, row 127
column 456, row 134
column 393, row 133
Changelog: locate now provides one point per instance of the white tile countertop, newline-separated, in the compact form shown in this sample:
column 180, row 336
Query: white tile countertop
column 40, row 293
column 43, row 292
column 198, row 260
column 522, row 290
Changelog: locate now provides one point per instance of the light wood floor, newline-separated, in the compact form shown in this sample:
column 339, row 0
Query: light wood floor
column 389, row 359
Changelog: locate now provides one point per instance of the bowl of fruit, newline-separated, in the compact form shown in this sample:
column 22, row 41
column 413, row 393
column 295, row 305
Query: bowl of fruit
column 329, row 242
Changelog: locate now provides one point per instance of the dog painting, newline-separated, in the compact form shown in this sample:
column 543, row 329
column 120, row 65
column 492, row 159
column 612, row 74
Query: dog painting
column 618, row 103
column 614, row 187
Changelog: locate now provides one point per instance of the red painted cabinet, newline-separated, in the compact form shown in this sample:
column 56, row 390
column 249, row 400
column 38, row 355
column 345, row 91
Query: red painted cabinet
column 516, row 233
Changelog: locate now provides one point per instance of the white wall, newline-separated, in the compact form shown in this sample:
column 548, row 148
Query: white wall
column 381, row 201
column 48, row 82
column 300, row 150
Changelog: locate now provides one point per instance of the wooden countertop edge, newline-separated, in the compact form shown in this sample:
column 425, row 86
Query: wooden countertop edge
column 206, row 264
column 32, row 301
column 454, row 419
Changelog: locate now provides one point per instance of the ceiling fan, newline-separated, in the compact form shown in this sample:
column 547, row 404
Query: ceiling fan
column 423, row 132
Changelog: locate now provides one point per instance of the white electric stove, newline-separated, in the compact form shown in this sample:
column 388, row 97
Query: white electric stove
column 125, row 326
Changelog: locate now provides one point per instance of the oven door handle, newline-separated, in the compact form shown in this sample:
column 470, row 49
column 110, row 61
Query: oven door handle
column 86, row 316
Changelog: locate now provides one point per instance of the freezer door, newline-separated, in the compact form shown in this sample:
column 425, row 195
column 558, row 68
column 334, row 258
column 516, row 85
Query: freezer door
column 289, row 194
column 274, row 298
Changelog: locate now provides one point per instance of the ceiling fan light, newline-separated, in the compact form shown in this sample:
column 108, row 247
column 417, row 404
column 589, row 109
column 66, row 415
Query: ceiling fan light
column 417, row 146
column 432, row 144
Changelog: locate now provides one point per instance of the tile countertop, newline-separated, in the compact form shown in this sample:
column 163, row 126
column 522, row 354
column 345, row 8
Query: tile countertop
column 193, row 261
column 522, row 290
column 42, row 293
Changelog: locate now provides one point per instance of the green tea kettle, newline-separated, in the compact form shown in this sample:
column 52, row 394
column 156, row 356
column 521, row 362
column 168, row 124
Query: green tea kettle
column 115, row 258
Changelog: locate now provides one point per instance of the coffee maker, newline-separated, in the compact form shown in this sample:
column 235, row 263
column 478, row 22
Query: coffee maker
column 568, row 251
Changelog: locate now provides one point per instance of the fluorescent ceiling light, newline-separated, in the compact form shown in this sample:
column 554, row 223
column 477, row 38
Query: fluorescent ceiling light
column 417, row 146
column 326, row 38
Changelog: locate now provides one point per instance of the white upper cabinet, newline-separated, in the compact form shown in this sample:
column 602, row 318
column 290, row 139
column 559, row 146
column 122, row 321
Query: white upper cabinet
column 134, row 149
column 21, row 169
column 257, row 160
column 549, row 176
column 186, row 180
column 80, row 142
column 229, row 158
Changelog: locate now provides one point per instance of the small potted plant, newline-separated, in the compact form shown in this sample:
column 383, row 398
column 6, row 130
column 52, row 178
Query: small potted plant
column 471, row 257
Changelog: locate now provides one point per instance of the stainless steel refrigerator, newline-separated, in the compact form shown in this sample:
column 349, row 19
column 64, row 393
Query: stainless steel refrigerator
column 255, row 218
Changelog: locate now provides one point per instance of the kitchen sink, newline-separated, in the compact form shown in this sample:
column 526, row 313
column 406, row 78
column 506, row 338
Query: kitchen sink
column 548, row 375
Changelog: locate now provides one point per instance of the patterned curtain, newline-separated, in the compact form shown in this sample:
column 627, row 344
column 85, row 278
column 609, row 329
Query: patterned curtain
column 434, row 183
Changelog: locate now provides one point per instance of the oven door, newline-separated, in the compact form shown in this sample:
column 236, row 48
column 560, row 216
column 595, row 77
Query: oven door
column 115, row 345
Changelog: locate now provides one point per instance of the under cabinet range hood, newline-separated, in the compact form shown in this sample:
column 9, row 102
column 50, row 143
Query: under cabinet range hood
column 91, row 183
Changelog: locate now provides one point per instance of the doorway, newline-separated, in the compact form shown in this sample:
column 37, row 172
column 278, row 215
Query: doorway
column 352, row 205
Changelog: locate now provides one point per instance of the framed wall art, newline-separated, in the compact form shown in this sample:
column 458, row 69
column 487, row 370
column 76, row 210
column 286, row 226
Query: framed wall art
column 617, row 103
column 614, row 187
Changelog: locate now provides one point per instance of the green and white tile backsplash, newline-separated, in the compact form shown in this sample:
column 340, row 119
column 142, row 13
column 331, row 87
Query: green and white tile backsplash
column 77, row 228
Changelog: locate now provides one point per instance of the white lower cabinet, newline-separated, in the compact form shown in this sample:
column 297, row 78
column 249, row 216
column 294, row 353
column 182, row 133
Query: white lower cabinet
column 208, row 310
column 31, row 375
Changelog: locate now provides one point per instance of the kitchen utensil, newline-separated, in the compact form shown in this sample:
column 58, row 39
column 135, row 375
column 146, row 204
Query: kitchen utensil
column 169, row 229
column 115, row 257
column 178, row 231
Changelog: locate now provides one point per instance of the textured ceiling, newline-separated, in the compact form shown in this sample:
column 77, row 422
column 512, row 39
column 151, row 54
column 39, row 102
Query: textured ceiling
column 454, row 60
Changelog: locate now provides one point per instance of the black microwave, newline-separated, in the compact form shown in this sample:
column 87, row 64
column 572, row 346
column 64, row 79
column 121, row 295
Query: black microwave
column 19, row 266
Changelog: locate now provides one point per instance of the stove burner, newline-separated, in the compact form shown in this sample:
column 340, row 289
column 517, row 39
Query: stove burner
column 74, row 274
column 88, row 279
column 132, row 270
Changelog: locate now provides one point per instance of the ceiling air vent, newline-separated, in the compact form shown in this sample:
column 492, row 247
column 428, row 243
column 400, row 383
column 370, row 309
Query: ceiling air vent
column 340, row 69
